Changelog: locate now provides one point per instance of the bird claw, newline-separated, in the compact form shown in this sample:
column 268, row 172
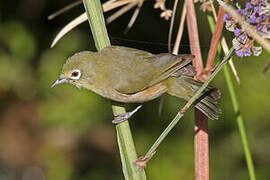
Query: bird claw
column 125, row 116
column 121, row 118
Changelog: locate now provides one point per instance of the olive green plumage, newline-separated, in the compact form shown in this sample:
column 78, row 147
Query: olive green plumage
column 130, row 75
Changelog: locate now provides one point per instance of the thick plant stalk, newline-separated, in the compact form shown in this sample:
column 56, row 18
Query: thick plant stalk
column 236, row 108
column 201, row 146
column 124, row 137
column 194, row 37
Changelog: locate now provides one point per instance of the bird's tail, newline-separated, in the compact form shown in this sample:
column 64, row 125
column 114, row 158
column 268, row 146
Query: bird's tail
column 185, row 87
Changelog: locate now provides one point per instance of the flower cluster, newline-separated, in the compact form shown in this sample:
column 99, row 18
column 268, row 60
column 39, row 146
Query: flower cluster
column 257, row 14
column 166, row 13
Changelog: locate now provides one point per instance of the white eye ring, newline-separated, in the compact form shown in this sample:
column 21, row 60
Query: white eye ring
column 76, row 74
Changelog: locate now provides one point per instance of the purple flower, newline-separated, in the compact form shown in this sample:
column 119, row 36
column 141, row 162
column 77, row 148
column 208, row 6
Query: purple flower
column 252, row 18
column 242, row 38
column 236, row 44
column 239, row 53
column 237, row 31
column 257, row 14
column 227, row 17
column 243, row 52
column 262, row 2
column 262, row 18
column 263, row 30
column 257, row 9
column 256, row 50
column 248, row 5
column 243, row 12
column 247, row 52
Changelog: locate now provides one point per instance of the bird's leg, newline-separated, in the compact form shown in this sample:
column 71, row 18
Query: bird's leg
column 160, row 106
column 125, row 116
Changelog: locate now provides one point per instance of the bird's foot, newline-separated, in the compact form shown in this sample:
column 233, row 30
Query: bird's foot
column 125, row 116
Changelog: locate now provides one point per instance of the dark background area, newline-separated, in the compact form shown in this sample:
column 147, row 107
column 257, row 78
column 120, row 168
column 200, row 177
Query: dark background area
column 66, row 133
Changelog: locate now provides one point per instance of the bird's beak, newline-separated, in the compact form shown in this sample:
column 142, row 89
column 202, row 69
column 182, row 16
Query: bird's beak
column 59, row 81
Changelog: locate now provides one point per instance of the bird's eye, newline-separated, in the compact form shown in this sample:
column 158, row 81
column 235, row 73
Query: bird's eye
column 75, row 74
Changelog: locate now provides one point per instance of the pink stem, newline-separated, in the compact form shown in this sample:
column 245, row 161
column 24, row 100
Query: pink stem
column 215, row 40
column 201, row 124
column 194, row 36
column 201, row 146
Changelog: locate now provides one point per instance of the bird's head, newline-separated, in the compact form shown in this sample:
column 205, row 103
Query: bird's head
column 77, row 70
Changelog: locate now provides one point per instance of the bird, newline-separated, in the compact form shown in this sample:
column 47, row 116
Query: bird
column 131, row 75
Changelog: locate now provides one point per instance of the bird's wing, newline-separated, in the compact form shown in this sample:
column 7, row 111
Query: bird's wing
column 133, row 70
column 169, row 64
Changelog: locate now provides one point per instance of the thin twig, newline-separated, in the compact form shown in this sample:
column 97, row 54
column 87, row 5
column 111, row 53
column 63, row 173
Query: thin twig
column 72, row 5
column 180, row 30
column 68, row 28
column 134, row 16
column 116, row 4
column 65, row 9
column 109, row 5
column 120, row 12
column 193, row 98
column 171, row 26
column 142, row 161
column 225, row 46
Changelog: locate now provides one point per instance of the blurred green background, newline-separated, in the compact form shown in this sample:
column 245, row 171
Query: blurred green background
column 66, row 133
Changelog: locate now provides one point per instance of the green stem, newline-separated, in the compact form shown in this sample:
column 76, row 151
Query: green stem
column 124, row 137
column 97, row 23
column 240, row 123
column 153, row 148
column 239, row 118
